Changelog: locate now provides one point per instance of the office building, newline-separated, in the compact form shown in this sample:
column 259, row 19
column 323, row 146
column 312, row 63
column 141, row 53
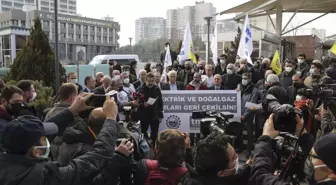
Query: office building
column 178, row 18
column 149, row 28
column 64, row 6
column 80, row 38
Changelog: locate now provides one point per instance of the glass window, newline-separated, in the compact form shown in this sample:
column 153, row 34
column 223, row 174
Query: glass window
column 70, row 26
column 78, row 36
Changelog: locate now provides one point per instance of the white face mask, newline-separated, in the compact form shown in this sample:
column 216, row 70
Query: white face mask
column 312, row 71
column 229, row 71
column 288, row 69
column 222, row 61
column 47, row 147
column 33, row 98
column 166, row 48
column 244, row 82
column 126, row 81
column 300, row 61
column 236, row 166
column 73, row 81
column 298, row 97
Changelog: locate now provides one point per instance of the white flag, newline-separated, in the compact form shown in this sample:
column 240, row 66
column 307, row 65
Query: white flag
column 245, row 48
column 167, row 62
column 187, row 51
column 214, row 49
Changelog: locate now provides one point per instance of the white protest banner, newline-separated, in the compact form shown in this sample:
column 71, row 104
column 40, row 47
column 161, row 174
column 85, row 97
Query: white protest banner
column 179, row 105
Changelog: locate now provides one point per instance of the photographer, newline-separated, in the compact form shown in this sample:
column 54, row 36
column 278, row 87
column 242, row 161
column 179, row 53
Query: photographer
column 322, row 163
column 328, row 122
column 217, row 163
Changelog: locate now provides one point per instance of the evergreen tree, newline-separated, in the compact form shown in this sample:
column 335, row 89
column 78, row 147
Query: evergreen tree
column 232, row 52
column 36, row 60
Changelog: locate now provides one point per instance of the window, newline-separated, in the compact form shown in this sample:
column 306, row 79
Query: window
column 23, row 23
column 110, row 39
column 44, row 3
column 92, row 38
column 64, row 35
column 78, row 27
column 46, row 9
column 15, row 23
column 72, row 7
column 71, row 26
column 46, row 23
column 70, row 36
column 105, row 30
column 63, row 6
column 85, row 37
column 85, row 28
column 78, row 36
column 62, row 25
column 99, row 29
column 92, row 28
column 5, row 9
column 98, row 38
column 104, row 39
column 63, row 1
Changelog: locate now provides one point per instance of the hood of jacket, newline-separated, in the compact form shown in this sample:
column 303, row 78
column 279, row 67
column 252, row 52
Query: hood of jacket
column 21, row 170
column 78, row 133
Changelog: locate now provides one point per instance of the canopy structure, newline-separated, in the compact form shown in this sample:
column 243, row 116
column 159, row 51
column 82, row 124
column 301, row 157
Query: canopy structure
column 255, row 8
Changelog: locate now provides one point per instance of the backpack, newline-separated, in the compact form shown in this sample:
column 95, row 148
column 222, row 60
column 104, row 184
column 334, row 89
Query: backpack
column 159, row 176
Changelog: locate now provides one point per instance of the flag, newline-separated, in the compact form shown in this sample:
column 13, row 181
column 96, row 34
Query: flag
column 245, row 47
column 333, row 49
column 187, row 51
column 275, row 64
column 214, row 49
column 167, row 62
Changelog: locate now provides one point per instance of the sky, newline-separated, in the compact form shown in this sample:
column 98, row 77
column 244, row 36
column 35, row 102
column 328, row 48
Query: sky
column 127, row 11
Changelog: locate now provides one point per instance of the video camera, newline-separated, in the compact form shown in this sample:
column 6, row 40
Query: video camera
column 218, row 122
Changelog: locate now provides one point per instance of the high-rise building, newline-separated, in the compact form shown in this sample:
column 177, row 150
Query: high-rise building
column 178, row 18
column 64, row 6
column 150, row 28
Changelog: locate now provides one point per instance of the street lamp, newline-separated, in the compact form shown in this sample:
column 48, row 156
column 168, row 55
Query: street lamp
column 208, row 19
column 130, row 39
column 57, row 80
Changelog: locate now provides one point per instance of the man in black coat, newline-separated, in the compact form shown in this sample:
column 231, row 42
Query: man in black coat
column 218, row 83
column 26, row 142
column 173, row 54
column 150, row 114
column 231, row 79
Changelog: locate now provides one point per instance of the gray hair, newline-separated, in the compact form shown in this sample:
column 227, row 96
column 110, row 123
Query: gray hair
column 209, row 66
column 230, row 66
column 272, row 78
column 172, row 72
column 115, row 81
column 266, row 61
column 107, row 78
column 142, row 71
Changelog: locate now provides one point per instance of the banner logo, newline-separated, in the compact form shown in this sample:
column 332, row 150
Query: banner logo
column 173, row 122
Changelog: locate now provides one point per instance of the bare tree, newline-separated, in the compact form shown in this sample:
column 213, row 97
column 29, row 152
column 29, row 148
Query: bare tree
column 293, row 24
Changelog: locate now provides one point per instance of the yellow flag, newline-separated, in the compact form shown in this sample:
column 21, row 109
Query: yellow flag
column 276, row 65
column 191, row 53
column 333, row 49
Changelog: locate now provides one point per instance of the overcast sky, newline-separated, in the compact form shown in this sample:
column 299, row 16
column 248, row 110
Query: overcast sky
column 127, row 11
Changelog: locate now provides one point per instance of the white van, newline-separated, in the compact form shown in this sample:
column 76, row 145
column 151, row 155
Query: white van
column 121, row 59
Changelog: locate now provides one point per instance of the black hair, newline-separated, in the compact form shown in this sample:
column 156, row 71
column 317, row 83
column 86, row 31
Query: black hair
column 303, row 55
column 25, row 85
column 8, row 92
column 212, row 155
column 86, row 80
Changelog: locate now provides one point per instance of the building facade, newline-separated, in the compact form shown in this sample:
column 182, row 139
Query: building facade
column 178, row 18
column 80, row 38
column 64, row 6
column 150, row 28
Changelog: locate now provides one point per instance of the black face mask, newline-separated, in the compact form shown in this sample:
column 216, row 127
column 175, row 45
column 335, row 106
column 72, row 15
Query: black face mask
column 297, row 85
column 187, row 67
column 14, row 108
column 264, row 66
column 201, row 67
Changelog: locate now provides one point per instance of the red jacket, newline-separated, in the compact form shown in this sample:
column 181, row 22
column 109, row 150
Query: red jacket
column 191, row 87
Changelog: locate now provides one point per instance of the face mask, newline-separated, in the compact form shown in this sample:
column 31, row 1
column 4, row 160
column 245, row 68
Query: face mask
column 312, row 71
column 309, row 170
column 300, row 61
column 47, row 147
column 166, row 48
column 222, row 61
column 187, row 67
column 126, row 81
column 14, row 108
column 74, row 81
column 229, row 71
column 288, row 69
column 201, row 67
column 298, row 97
column 244, row 82
column 33, row 98
column 236, row 166
column 297, row 85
